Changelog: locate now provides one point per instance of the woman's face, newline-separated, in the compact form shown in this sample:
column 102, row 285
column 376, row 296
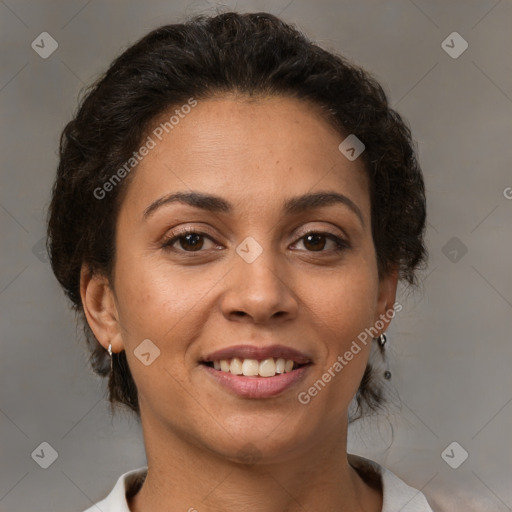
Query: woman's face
column 250, row 276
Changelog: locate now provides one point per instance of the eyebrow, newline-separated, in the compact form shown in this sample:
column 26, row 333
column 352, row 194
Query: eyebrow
column 292, row 206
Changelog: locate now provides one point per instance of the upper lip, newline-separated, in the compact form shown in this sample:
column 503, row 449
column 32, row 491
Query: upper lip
column 257, row 352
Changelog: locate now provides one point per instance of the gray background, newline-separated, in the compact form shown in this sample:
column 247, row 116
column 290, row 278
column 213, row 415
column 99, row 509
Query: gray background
column 450, row 345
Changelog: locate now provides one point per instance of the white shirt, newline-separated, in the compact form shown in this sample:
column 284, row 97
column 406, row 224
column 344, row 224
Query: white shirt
column 397, row 495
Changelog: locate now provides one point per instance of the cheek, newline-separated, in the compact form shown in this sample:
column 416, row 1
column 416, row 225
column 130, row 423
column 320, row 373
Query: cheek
column 345, row 303
column 343, row 306
column 156, row 303
column 159, row 301
column 345, row 319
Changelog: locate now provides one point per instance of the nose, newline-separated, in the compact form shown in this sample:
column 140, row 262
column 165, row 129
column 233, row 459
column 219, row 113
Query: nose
column 259, row 292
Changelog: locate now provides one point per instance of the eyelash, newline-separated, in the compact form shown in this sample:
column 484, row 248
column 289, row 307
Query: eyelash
column 341, row 244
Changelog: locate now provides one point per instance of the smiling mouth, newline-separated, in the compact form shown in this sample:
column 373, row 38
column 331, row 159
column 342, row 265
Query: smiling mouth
column 246, row 367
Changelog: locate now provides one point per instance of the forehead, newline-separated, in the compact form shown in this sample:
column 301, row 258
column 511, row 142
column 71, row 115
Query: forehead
column 258, row 149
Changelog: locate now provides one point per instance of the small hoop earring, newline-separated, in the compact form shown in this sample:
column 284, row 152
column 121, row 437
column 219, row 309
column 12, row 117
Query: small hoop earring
column 382, row 340
column 111, row 358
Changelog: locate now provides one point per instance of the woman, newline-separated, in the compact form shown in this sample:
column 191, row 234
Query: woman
column 233, row 209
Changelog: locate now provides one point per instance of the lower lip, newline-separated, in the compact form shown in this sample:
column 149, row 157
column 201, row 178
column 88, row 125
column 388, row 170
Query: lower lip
column 258, row 387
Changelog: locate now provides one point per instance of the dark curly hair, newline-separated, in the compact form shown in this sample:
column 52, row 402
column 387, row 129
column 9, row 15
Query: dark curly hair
column 251, row 54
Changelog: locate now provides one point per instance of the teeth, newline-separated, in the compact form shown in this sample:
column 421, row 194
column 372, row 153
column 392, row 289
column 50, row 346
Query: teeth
column 267, row 368
column 235, row 367
column 252, row 367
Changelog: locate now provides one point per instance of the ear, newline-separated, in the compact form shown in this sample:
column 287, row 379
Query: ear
column 386, row 299
column 100, row 309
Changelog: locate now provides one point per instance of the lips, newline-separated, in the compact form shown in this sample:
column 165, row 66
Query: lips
column 257, row 387
column 255, row 371
column 257, row 352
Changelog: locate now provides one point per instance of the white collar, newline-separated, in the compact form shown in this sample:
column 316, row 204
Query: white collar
column 397, row 495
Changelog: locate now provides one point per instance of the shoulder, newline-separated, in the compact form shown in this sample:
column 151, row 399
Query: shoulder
column 397, row 495
column 126, row 485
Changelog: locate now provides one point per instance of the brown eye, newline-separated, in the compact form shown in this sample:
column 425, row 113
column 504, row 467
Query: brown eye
column 193, row 241
column 316, row 241
column 188, row 240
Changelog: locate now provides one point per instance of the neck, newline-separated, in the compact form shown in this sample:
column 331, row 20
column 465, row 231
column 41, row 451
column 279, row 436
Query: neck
column 185, row 477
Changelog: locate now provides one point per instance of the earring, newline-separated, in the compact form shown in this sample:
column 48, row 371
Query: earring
column 111, row 358
column 382, row 339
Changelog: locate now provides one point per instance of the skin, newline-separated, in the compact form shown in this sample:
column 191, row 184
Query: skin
column 255, row 154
